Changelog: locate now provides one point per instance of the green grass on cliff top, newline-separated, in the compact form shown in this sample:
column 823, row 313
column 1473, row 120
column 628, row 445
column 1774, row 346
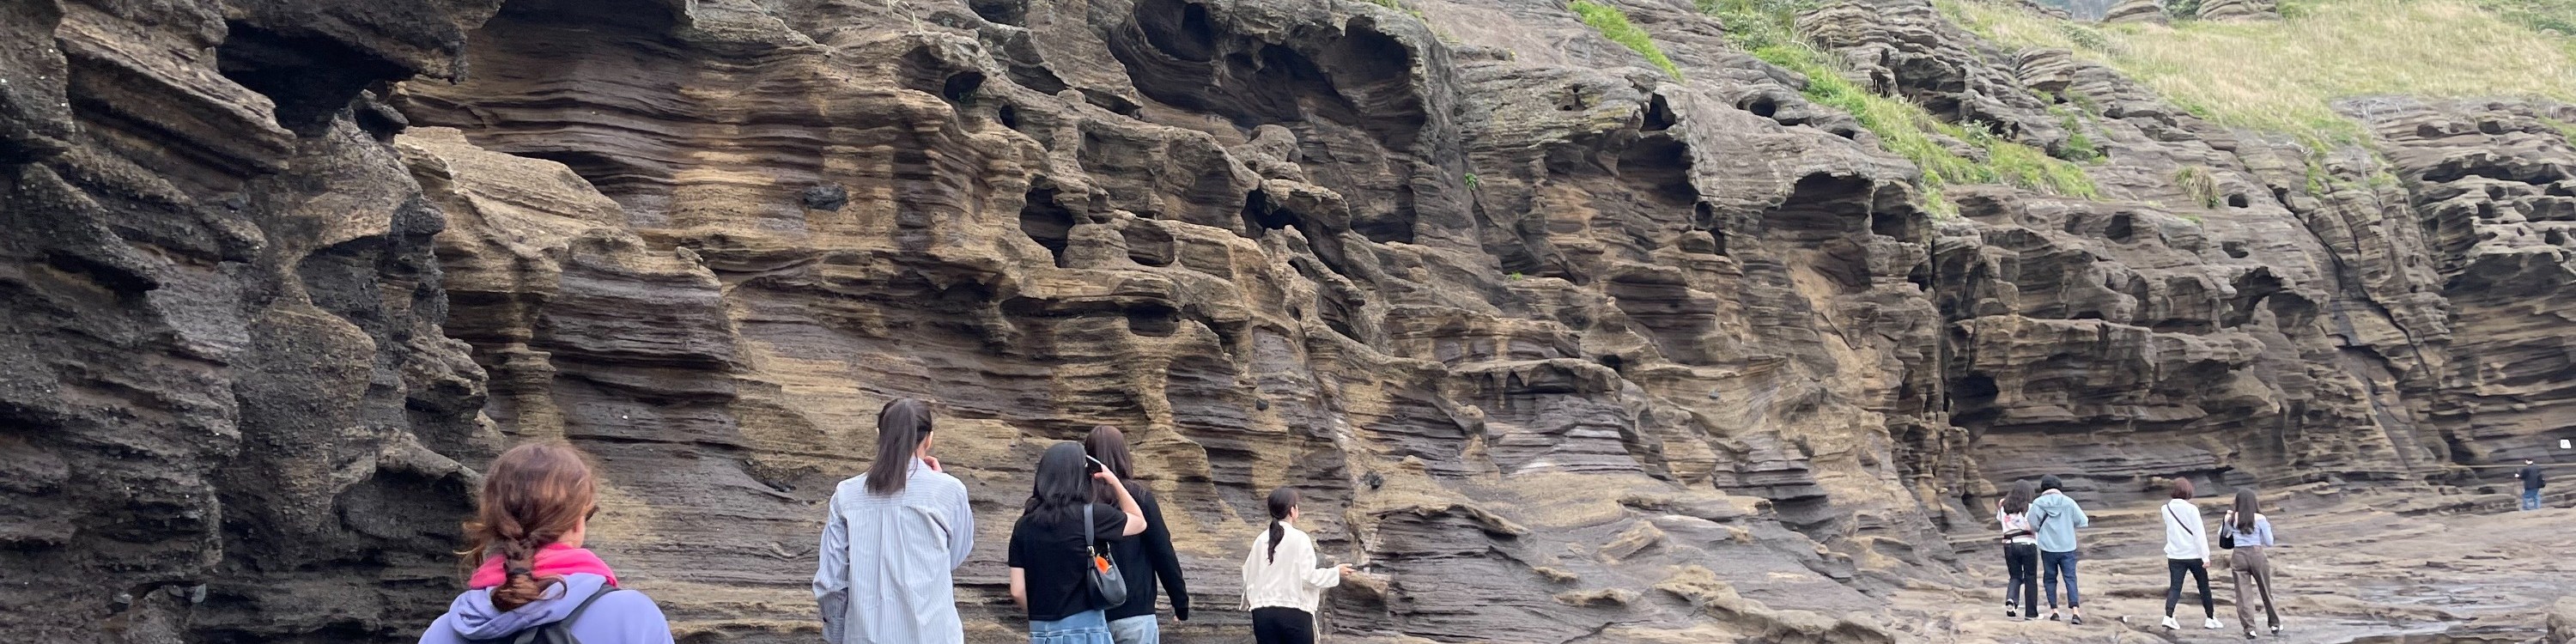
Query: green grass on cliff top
column 1763, row 28
column 2283, row 75
column 1613, row 24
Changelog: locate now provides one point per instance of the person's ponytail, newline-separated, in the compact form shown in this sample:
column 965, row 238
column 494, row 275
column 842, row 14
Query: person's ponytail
column 901, row 426
column 1282, row 502
column 533, row 495
column 520, row 586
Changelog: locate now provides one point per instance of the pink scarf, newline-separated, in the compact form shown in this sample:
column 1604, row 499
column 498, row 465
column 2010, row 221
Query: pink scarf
column 554, row 559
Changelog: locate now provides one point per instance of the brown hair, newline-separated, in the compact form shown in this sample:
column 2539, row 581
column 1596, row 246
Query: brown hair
column 532, row 496
column 901, row 426
column 2017, row 501
column 1109, row 446
column 2246, row 505
column 2182, row 488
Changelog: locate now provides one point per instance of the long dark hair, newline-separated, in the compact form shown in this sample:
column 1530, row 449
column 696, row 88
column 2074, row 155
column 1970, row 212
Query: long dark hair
column 532, row 495
column 2017, row 500
column 901, row 427
column 2245, row 509
column 1282, row 502
column 1109, row 446
column 1063, row 484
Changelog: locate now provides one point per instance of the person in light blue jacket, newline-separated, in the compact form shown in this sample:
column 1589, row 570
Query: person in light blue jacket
column 2055, row 517
column 536, row 580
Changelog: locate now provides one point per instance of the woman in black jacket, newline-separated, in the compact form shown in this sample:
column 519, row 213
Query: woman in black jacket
column 1145, row 559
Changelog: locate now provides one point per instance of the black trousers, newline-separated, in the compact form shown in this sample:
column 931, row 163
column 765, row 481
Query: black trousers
column 2174, row 570
column 2021, row 573
column 1276, row 625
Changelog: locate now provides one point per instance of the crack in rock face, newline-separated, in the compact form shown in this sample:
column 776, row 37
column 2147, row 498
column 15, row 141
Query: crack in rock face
column 1559, row 346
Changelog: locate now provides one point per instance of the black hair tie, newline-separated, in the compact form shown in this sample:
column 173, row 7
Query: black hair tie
column 518, row 571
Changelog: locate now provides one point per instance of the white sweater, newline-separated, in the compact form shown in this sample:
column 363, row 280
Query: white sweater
column 2186, row 537
column 1289, row 581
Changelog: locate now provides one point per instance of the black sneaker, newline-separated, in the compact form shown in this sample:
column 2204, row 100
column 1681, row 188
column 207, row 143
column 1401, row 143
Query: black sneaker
column 2052, row 616
column 2077, row 620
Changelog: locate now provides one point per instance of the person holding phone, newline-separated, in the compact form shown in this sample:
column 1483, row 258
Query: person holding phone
column 891, row 538
column 1281, row 584
column 1050, row 556
column 1146, row 559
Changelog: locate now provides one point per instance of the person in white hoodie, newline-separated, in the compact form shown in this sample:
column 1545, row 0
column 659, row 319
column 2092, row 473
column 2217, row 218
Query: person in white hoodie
column 2186, row 552
column 1281, row 584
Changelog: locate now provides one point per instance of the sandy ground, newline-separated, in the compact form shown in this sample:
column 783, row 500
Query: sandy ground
column 2385, row 568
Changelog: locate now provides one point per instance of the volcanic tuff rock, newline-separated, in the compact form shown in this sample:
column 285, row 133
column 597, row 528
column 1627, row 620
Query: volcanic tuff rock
column 2135, row 11
column 1561, row 345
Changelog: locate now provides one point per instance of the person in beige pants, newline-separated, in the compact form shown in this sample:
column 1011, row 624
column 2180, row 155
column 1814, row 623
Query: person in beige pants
column 2252, row 533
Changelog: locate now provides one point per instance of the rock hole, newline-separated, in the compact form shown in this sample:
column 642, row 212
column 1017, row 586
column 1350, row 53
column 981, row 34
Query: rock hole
column 2490, row 128
column 307, row 79
column 1898, row 225
column 960, row 87
column 2234, row 249
column 1845, row 132
column 1181, row 30
column 2238, row 200
column 1009, row 116
column 1820, row 207
column 1152, row 320
column 1112, row 102
column 1007, row 12
column 1762, row 106
column 1659, row 116
column 1147, row 243
column 1260, row 216
column 1659, row 167
column 1047, row 222
column 2123, row 228
column 1038, row 78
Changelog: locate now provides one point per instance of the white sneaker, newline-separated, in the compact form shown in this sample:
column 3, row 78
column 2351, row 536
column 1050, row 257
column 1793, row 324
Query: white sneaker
column 2212, row 624
column 2169, row 623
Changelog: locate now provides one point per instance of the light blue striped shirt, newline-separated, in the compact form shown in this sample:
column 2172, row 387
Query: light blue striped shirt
column 884, row 574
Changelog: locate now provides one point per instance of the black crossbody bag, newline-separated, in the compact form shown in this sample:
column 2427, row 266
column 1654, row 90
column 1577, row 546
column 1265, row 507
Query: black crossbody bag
column 1106, row 582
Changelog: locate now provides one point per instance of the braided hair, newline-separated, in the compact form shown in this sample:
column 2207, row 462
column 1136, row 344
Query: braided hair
column 533, row 495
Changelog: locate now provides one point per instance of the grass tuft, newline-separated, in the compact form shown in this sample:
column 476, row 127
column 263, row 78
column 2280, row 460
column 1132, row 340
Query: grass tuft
column 2198, row 184
column 1613, row 24
column 2284, row 75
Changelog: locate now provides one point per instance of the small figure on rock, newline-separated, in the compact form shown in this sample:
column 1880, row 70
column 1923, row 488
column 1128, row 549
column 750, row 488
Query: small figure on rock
column 2186, row 553
column 2531, row 484
column 2021, row 552
column 2249, row 534
column 2054, row 517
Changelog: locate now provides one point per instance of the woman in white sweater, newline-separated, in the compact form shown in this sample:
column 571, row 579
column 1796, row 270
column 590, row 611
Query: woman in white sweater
column 1281, row 584
column 2186, row 552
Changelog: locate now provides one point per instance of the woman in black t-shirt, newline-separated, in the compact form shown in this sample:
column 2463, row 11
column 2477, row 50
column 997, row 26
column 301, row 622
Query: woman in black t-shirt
column 1048, row 556
column 1146, row 558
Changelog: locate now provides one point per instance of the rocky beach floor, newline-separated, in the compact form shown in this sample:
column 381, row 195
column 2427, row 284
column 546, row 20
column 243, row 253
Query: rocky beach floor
column 2369, row 569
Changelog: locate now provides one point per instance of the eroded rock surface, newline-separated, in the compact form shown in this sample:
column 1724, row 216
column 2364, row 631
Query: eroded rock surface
column 1564, row 347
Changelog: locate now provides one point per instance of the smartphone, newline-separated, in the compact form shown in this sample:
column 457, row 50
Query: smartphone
column 1096, row 464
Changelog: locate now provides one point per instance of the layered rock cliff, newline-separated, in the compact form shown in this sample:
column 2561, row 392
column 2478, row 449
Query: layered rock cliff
column 1561, row 345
